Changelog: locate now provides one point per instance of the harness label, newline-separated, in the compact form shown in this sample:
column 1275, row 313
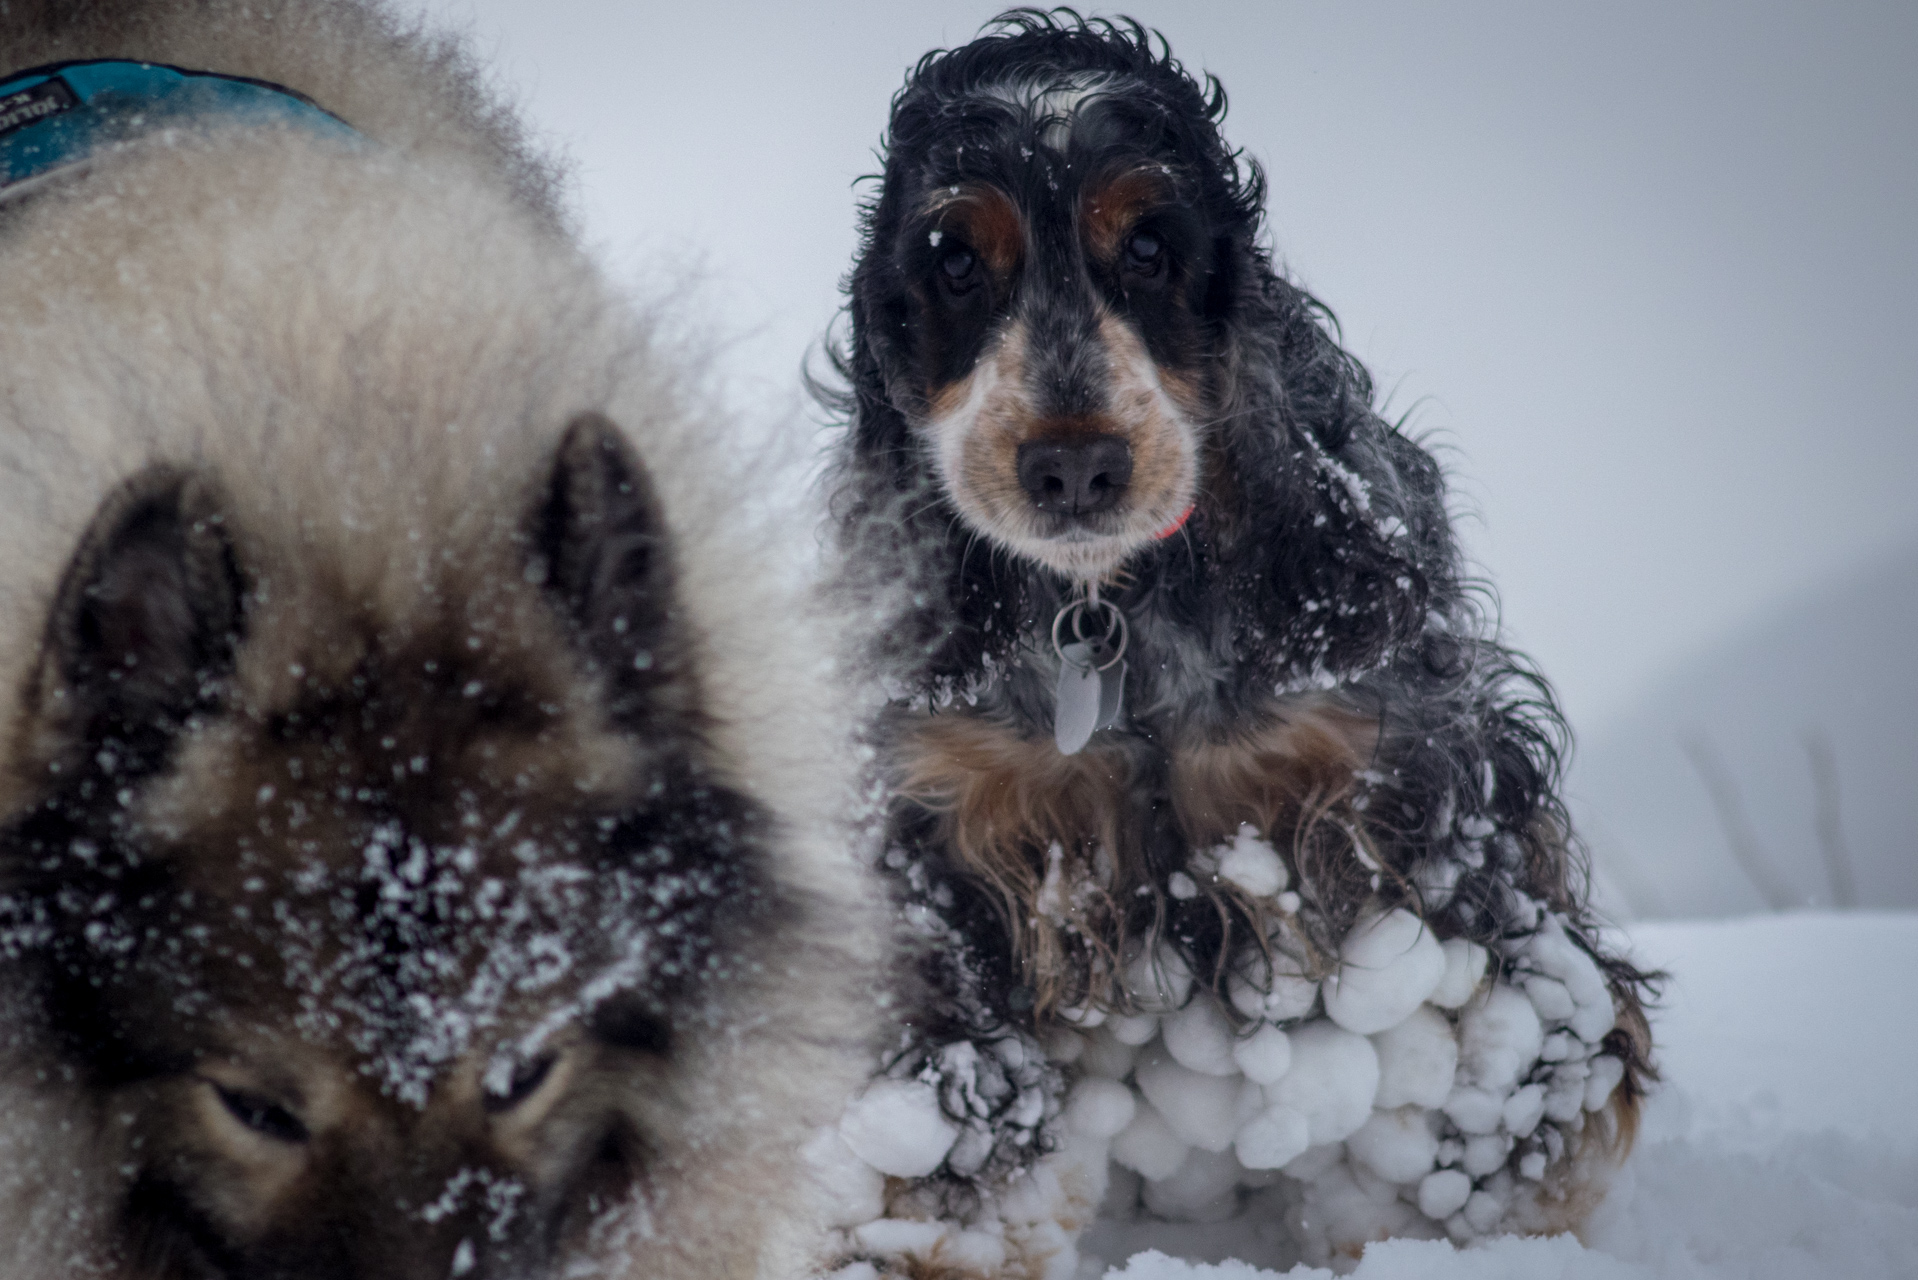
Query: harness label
column 31, row 106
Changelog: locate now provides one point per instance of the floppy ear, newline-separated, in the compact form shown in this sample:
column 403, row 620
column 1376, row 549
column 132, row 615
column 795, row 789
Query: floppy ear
column 602, row 544
column 149, row 613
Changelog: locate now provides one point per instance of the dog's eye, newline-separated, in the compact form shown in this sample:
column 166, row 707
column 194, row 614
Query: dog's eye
column 960, row 269
column 1144, row 253
column 525, row 1081
column 265, row 1118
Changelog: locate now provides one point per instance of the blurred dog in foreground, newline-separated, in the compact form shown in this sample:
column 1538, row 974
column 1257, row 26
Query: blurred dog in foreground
column 1219, row 802
column 412, row 864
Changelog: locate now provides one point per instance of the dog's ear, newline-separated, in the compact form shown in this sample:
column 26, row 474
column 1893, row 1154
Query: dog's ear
column 600, row 543
column 149, row 613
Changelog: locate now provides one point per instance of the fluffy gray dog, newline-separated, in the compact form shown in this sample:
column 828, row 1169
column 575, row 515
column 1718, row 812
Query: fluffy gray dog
column 412, row 862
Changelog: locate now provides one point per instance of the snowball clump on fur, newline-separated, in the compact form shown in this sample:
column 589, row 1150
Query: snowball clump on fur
column 1420, row 1100
column 1388, row 966
column 1460, row 1090
column 1252, row 864
column 896, row 1127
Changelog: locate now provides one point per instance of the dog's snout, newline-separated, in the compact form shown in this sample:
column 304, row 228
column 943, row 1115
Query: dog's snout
column 1076, row 475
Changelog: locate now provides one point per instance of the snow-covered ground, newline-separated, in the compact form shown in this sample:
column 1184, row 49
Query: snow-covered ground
column 1782, row 1146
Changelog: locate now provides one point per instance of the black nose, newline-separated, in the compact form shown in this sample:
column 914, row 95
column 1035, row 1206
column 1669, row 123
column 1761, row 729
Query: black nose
column 1077, row 475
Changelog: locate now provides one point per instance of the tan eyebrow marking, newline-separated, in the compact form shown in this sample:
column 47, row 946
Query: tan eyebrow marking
column 987, row 220
column 1110, row 209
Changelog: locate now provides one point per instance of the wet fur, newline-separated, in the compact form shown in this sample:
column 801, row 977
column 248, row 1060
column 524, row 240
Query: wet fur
column 353, row 525
column 1307, row 653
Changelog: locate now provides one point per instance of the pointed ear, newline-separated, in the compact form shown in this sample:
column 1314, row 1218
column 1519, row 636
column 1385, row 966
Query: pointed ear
column 601, row 545
column 149, row 613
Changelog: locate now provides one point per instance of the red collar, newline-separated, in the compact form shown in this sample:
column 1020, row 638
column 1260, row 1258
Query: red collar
column 1176, row 525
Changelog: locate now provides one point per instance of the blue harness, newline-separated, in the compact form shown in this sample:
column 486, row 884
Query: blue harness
column 54, row 118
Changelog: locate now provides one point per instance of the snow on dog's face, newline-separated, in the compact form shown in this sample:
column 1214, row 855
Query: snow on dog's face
column 1066, row 344
column 381, row 930
column 1042, row 281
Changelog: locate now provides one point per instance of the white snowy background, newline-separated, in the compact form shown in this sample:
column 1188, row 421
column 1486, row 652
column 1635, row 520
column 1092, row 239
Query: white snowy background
column 1644, row 272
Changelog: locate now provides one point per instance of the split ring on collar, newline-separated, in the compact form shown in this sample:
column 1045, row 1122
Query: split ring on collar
column 1077, row 610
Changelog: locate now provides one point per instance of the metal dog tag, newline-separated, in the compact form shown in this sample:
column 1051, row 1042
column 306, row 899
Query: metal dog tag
column 1091, row 670
column 1075, row 711
column 1088, row 699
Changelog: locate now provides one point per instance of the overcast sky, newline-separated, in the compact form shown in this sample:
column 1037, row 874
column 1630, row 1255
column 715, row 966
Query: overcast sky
column 1646, row 270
